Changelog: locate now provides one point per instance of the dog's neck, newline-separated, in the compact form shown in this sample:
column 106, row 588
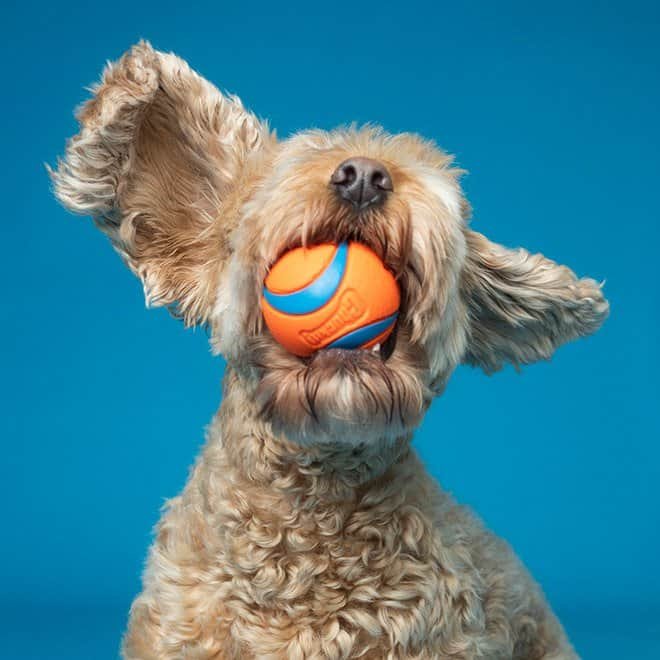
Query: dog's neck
column 331, row 470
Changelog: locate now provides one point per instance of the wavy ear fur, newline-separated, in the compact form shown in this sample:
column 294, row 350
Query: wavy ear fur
column 523, row 306
column 156, row 161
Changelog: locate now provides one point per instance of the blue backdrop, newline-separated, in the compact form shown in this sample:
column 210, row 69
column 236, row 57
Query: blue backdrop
column 555, row 114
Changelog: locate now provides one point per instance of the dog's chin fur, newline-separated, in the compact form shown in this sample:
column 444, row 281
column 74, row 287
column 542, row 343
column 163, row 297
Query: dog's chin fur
column 342, row 397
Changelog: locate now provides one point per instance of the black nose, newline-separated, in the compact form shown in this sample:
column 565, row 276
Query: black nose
column 362, row 181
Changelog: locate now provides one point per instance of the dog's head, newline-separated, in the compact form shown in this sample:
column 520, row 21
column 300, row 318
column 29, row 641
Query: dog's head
column 200, row 198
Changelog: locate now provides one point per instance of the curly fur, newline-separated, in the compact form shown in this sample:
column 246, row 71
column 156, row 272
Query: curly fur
column 308, row 527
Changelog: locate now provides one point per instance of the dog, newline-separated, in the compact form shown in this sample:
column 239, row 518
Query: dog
column 308, row 527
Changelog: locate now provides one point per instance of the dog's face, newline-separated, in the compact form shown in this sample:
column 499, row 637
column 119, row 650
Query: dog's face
column 201, row 199
column 396, row 194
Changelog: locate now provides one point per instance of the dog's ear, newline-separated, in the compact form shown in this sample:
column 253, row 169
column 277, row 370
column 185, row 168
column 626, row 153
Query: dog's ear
column 522, row 306
column 159, row 157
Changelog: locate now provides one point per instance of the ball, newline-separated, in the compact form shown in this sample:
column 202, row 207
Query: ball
column 330, row 296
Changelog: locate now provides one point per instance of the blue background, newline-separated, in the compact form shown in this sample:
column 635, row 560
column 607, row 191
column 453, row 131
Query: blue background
column 555, row 113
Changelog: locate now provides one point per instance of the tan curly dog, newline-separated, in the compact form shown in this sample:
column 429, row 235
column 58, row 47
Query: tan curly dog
column 308, row 527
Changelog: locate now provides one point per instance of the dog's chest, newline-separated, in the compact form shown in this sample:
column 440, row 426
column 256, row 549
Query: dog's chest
column 318, row 582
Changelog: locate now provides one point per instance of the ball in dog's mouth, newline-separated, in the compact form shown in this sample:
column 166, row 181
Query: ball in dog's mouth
column 331, row 296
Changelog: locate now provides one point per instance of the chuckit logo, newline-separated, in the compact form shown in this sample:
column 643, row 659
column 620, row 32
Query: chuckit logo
column 351, row 307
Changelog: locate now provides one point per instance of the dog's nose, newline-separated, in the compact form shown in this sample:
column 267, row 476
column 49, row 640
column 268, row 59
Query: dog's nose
column 362, row 181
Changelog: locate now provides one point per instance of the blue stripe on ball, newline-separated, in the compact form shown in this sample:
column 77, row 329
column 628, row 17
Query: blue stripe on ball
column 317, row 293
column 364, row 334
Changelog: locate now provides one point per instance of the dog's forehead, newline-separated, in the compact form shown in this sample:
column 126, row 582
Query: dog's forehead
column 306, row 161
column 403, row 149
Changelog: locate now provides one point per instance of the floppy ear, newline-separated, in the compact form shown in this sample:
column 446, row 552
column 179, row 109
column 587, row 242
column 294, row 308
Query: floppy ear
column 156, row 163
column 523, row 306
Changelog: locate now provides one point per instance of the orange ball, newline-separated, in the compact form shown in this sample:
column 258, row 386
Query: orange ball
column 330, row 296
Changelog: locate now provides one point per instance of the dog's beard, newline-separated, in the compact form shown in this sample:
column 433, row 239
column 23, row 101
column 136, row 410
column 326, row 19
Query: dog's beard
column 342, row 396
